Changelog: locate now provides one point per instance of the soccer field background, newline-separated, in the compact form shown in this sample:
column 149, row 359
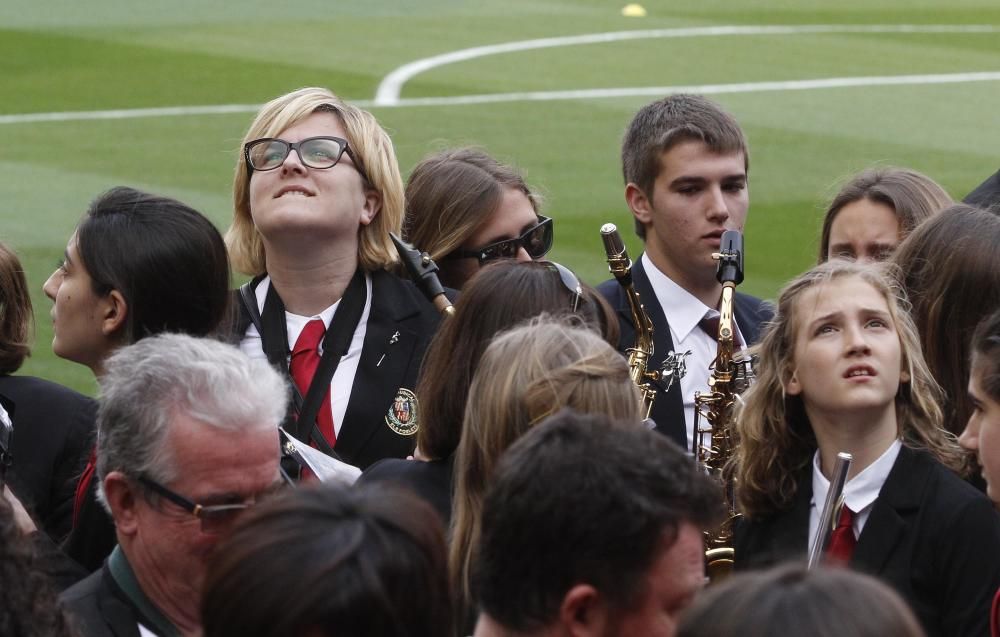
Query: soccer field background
column 930, row 102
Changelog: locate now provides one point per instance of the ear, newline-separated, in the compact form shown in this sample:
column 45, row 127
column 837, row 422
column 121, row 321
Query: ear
column 639, row 203
column 114, row 312
column 904, row 376
column 123, row 499
column 792, row 385
column 583, row 612
column 373, row 205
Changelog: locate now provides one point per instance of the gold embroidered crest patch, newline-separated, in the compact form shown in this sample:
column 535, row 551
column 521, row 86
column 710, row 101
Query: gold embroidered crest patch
column 403, row 415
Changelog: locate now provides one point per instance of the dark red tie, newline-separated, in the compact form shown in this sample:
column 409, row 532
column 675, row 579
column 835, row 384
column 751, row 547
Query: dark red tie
column 305, row 360
column 711, row 327
column 842, row 541
column 83, row 485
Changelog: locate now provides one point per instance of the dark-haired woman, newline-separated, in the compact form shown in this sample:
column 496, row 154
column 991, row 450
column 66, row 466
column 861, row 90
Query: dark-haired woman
column 137, row 265
column 949, row 268
column 527, row 289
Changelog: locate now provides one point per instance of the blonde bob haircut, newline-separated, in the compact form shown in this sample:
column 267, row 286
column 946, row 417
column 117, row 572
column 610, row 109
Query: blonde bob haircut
column 371, row 145
column 775, row 438
column 527, row 374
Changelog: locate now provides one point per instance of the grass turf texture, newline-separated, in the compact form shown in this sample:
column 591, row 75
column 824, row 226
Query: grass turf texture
column 107, row 54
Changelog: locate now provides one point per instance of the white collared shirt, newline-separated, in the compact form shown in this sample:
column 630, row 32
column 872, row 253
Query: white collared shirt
column 683, row 312
column 343, row 378
column 860, row 492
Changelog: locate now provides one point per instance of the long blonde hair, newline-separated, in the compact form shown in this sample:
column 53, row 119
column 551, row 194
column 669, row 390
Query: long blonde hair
column 775, row 438
column 525, row 375
column 368, row 141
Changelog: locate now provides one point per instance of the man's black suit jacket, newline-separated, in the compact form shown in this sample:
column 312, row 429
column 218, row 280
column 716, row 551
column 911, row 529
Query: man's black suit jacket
column 53, row 433
column 668, row 409
column 400, row 325
column 930, row 535
column 99, row 608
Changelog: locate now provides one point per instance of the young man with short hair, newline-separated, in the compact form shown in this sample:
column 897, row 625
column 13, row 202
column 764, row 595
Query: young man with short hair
column 685, row 164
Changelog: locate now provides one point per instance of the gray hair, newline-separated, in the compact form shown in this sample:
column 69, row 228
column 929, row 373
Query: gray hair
column 147, row 383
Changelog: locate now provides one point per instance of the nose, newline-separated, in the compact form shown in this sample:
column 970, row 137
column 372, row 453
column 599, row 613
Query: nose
column 522, row 255
column 293, row 162
column 856, row 341
column 51, row 285
column 970, row 435
column 718, row 210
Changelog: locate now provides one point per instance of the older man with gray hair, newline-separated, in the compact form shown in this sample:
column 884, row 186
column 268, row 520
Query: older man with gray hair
column 187, row 441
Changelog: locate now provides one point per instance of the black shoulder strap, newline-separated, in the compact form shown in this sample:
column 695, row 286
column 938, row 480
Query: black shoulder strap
column 273, row 330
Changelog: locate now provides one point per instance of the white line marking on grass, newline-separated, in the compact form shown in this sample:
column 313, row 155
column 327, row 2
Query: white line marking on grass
column 388, row 93
column 536, row 96
column 705, row 89
column 166, row 111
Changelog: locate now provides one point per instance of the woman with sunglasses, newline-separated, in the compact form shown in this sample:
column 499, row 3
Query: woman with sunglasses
column 528, row 289
column 465, row 209
column 316, row 193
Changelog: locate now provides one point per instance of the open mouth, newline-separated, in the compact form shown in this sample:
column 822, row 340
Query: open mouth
column 293, row 191
column 859, row 371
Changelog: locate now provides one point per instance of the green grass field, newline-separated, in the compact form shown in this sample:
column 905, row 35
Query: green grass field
column 67, row 57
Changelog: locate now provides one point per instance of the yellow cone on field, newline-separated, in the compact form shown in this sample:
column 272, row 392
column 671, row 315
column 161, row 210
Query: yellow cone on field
column 634, row 11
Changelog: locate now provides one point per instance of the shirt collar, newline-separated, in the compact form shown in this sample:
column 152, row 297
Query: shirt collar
column 682, row 309
column 862, row 490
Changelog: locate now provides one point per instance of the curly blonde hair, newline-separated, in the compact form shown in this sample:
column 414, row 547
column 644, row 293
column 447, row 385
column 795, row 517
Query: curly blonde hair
column 527, row 374
column 370, row 143
column 775, row 440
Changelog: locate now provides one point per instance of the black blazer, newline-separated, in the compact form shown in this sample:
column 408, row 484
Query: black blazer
column 100, row 609
column 986, row 194
column 431, row 481
column 668, row 409
column 53, row 434
column 930, row 536
column 400, row 325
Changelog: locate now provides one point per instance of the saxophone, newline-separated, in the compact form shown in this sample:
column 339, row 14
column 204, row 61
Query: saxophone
column 713, row 410
column 648, row 381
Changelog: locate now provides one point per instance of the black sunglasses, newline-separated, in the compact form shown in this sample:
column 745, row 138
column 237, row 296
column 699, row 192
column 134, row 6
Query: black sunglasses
column 569, row 281
column 536, row 241
column 315, row 152
column 214, row 518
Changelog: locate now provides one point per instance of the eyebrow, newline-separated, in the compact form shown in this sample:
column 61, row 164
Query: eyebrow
column 66, row 258
column 697, row 179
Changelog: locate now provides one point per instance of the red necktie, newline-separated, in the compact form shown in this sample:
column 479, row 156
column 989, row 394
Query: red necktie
column 842, row 541
column 83, row 485
column 711, row 327
column 305, row 360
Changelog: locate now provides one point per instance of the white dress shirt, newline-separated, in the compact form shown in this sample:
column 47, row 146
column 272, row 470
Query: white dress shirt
column 683, row 312
column 860, row 492
column 343, row 378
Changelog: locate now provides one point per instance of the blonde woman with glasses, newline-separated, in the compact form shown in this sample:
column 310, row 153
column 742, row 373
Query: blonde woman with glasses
column 316, row 193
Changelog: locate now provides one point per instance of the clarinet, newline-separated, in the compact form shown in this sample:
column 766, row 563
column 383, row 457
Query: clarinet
column 423, row 272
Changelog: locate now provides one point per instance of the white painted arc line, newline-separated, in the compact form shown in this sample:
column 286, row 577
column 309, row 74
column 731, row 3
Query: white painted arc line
column 389, row 89
column 599, row 93
column 704, row 89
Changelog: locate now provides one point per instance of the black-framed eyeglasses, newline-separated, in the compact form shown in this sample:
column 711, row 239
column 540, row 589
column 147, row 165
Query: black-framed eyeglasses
column 315, row 152
column 536, row 241
column 569, row 281
column 214, row 518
